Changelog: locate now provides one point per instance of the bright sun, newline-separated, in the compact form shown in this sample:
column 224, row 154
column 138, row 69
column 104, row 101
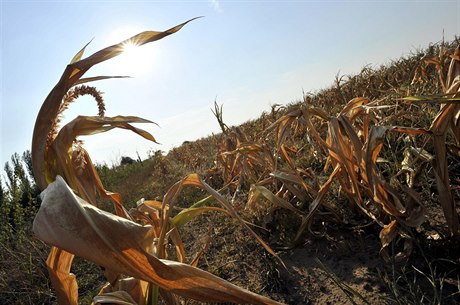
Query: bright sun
column 135, row 60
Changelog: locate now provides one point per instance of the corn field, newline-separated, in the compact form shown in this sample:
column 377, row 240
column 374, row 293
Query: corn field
column 347, row 151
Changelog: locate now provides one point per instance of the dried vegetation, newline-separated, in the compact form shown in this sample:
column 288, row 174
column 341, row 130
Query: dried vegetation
column 378, row 149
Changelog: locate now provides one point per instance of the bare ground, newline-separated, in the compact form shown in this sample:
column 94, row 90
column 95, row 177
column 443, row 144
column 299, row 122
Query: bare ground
column 334, row 270
column 344, row 267
column 341, row 266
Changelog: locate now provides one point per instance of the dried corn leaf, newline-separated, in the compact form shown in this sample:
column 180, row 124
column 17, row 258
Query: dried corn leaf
column 83, row 65
column 68, row 222
column 387, row 235
column 258, row 190
column 80, row 53
column 433, row 99
column 80, row 172
column 285, row 152
column 194, row 180
column 446, row 120
column 306, row 221
column 283, row 123
column 383, row 193
column 353, row 107
column 59, row 262
column 342, row 153
column 189, row 214
column 76, row 165
column 71, row 76
column 291, row 180
column 454, row 69
column 96, row 78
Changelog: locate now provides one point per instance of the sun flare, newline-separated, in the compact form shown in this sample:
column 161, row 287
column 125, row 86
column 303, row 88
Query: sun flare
column 129, row 48
column 134, row 60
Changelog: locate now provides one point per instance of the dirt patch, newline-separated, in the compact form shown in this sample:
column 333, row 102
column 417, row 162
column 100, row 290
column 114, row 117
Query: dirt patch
column 341, row 266
column 338, row 269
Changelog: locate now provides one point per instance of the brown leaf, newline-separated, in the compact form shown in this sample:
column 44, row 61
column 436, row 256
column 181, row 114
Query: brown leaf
column 58, row 263
column 68, row 222
column 316, row 204
column 71, row 76
column 387, row 235
column 258, row 190
column 195, row 181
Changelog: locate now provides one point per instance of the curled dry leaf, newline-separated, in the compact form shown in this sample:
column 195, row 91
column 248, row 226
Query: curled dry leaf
column 387, row 235
column 75, row 225
column 68, row 222
column 72, row 76
column 73, row 161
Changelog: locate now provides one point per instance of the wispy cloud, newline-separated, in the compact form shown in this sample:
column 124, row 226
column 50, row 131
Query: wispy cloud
column 216, row 5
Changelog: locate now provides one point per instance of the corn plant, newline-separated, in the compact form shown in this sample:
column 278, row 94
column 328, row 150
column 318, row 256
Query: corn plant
column 349, row 146
column 131, row 246
column 447, row 121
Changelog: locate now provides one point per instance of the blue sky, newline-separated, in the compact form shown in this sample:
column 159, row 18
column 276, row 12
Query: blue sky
column 247, row 54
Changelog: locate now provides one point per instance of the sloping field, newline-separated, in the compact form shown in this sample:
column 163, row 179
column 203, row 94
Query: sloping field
column 350, row 196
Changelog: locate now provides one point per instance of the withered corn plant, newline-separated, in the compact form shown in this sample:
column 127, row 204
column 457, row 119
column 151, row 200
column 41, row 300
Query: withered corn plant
column 446, row 122
column 348, row 145
column 131, row 246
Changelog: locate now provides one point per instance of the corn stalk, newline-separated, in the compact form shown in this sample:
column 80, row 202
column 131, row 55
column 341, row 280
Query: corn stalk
column 133, row 255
